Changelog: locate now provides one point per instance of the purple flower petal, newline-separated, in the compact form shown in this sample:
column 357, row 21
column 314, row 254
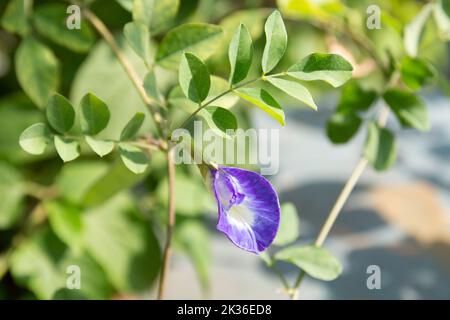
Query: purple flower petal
column 249, row 209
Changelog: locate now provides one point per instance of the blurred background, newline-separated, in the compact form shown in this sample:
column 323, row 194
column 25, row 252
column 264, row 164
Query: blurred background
column 95, row 214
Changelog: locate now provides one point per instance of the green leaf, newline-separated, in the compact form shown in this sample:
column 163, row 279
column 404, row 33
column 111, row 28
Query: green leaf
column 193, row 77
column 151, row 87
column 341, row 127
column 317, row 262
column 416, row 72
column 35, row 138
column 109, row 183
column 95, row 114
column 414, row 30
column 276, row 41
column 240, row 54
column 289, row 229
column 218, row 86
column 354, row 98
column 15, row 17
column 65, row 221
column 295, row 90
column 76, row 179
column 142, row 11
column 60, row 113
column 331, row 68
column 441, row 16
column 100, row 147
column 219, row 120
column 138, row 38
column 122, row 241
column 192, row 237
column 11, row 196
column 380, row 148
column 409, row 109
column 67, row 149
column 37, row 70
column 134, row 158
column 198, row 38
column 133, row 126
column 50, row 20
column 164, row 14
column 263, row 100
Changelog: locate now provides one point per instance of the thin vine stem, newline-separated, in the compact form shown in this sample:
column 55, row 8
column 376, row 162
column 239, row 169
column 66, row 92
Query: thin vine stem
column 170, row 226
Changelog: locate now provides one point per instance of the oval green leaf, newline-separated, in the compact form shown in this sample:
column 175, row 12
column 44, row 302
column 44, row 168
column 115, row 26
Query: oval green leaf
column 60, row 113
column 295, row 90
column 100, row 147
column 199, row 38
column 193, row 77
column 317, row 262
column 133, row 158
column 67, row 149
column 409, row 109
column 138, row 38
column 240, row 54
column 132, row 127
column 276, row 41
column 94, row 114
column 341, row 127
column 51, row 21
column 331, row 68
column 37, row 70
column 263, row 100
column 35, row 138
column 380, row 148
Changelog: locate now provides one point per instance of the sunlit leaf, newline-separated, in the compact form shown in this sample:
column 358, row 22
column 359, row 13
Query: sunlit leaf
column 67, row 149
column 134, row 158
column 240, row 54
column 276, row 41
column 100, row 147
column 331, row 68
column 295, row 90
column 138, row 38
column 414, row 29
column 35, row 138
column 263, row 100
column 193, row 77
column 317, row 262
column 12, row 196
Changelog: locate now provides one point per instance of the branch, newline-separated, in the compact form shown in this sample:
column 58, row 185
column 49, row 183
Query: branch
column 170, row 225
